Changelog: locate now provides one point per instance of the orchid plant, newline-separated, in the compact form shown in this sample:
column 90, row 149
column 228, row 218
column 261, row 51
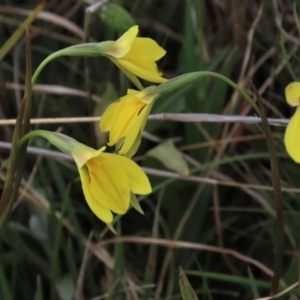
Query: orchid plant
column 110, row 181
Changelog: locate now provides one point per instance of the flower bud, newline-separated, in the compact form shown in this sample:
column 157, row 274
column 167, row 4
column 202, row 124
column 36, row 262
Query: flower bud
column 116, row 17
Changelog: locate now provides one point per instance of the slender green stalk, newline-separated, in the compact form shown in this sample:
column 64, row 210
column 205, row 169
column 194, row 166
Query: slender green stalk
column 277, row 195
column 88, row 50
column 35, row 133
column 23, row 127
column 17, row 155
column 184, row 79
column 55, row 254
column 199, row 13
column 18, row 33
column 151, row 267
column 62, row 142
column 10, row 175
column 286, row 58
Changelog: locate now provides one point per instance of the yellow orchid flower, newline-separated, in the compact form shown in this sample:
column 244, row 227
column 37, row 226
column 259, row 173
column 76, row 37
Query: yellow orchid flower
column 109, row 181
column 126, row 119
column 136, row 57
column 291, row 137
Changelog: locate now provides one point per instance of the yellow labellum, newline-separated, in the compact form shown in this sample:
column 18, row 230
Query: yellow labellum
column 126, row 119
column 108, row 181
column 292, row 93
column 136, row 57
column 292, row 133
column 292, row 137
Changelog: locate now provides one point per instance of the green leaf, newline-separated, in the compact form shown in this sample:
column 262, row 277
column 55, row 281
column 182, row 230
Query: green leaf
column 66, row 288
column 38, row 224
column 170, row 157
column 4, row 286
column 187, row 292
column 39, row 291
column 116, row 17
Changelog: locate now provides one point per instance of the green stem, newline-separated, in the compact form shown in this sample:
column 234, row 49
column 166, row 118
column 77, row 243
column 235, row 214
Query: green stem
column 17, row 154
column 5, row 203
column 35, row 133
column 190, row 77
column 20, row 30
column 277, row 195
column 63, row 142
column 199, row 32
column 88, row 49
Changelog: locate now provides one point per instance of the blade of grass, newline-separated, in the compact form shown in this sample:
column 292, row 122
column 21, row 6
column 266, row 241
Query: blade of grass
column 286, row 58
column 57, row 244
column 18, row 33
column 253, row 283
column 17, row 156
column 277, row 194
column 229, row 278
column 39, row 290
column 186, row 289
column 4, row 287
column 152, row 257
column 119, row 269
column 205, row 285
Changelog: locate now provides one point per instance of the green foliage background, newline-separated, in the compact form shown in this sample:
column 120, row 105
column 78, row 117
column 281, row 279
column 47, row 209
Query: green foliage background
column 54, row 247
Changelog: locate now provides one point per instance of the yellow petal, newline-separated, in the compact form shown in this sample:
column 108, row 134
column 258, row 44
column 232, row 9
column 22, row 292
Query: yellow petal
column 109, row 183
column 292, row 93
column 292, row 137
column 107, row 117
column 123, row 45
column 138, row 180
column 101, row 212
column 135, row 129
column 124, row 117
column 145, row 119
column 145, row 49
column 132, row 92
column 130, row 75
column 131, row 138
column 134, row 147
column 131, row 148
column 142, row 69
column 141, row 58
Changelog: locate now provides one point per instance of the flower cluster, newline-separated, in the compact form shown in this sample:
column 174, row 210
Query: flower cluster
column 110, row 181
column 125, row 119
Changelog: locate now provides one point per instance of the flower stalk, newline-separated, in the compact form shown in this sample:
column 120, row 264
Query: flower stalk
column 126, row 118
